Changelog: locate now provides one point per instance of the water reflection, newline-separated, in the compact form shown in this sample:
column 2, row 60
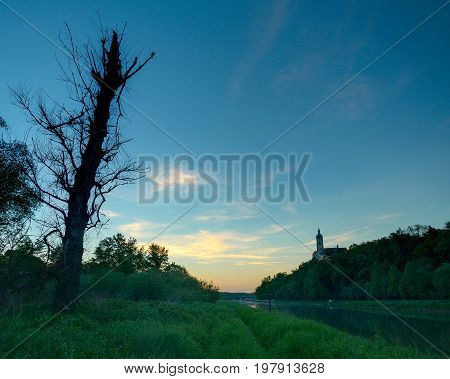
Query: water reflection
column 368, row 324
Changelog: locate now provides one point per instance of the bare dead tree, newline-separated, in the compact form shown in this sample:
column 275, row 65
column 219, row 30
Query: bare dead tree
column 78, row 152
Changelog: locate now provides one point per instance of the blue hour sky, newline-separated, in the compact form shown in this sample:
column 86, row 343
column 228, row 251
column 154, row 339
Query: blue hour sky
column 230, row 77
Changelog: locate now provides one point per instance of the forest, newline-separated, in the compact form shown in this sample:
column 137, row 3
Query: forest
column 408, row 264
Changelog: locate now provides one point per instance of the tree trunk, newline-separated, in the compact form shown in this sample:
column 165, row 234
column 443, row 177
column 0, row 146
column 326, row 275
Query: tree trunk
column 69, row 263
column 69, row 268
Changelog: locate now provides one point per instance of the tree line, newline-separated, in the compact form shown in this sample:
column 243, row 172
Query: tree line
column 408, row 264
column 118, row 268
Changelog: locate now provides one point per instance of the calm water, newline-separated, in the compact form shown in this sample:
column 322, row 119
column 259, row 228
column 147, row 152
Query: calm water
column 369, row 324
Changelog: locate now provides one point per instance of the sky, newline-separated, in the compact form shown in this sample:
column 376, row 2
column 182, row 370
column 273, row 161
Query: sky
column 230, row 77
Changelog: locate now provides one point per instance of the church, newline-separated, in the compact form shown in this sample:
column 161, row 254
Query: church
column 322, row 253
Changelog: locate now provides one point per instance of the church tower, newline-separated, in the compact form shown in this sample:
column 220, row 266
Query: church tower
column 319, row 242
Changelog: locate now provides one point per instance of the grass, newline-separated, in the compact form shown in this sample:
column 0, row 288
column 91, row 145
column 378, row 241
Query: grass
column 125, row 329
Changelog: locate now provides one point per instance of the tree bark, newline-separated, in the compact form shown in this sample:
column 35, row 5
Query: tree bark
column 69, row 267
column 69, row 263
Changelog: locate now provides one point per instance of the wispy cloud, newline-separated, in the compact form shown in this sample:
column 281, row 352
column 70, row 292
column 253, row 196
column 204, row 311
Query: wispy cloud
column 358, row 100
column 111, row 214
column 227, row 214
column 207, row 245
column 290, row 208
column 341, row 238
column 273, row 229
column 141, row 230
column 345, row 238
column 265, row 36
column 173, row 177
column 256, row 263
column 294, row 73
column 335, row 239
column 386, row 217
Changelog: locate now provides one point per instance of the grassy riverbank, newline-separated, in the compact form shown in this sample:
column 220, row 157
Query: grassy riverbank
column 123, row 329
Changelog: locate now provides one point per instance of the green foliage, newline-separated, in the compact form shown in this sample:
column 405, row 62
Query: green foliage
column 402, row 265
column 17, row 197
column 378, row 283
column 22, row 273
column 441, row 280
column 119, row 269
column 118, row 253
column 124, row 255
column 393, row 282
column 157, row 256
column 416, row 281
column 174, row 286
column 122, row 269
column 123, row 329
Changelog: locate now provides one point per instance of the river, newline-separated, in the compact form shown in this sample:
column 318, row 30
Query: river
column 433, row 331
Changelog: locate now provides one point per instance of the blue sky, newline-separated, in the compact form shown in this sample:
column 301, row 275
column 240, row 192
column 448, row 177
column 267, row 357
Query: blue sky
column 229, row 77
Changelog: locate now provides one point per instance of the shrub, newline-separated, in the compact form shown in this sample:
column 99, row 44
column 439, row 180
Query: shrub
column 175, row 286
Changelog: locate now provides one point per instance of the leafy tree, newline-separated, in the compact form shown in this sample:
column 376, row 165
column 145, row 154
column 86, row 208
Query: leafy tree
column 141, row 276
column 124, row 255
column 318, row 284
column 22, row 272
column 17, row 198
column 118, row 253
column 156, row 257
column 441, row 281
column 173, row 267
column 377, row 284
column 393, row 282
column 264, row 289
column 416, row 281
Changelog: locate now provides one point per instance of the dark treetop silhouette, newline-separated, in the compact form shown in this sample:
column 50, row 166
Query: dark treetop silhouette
column 17, row 200
column 80, row 150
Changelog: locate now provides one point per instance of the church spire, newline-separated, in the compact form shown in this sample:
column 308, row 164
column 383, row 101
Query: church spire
column 319, row 241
